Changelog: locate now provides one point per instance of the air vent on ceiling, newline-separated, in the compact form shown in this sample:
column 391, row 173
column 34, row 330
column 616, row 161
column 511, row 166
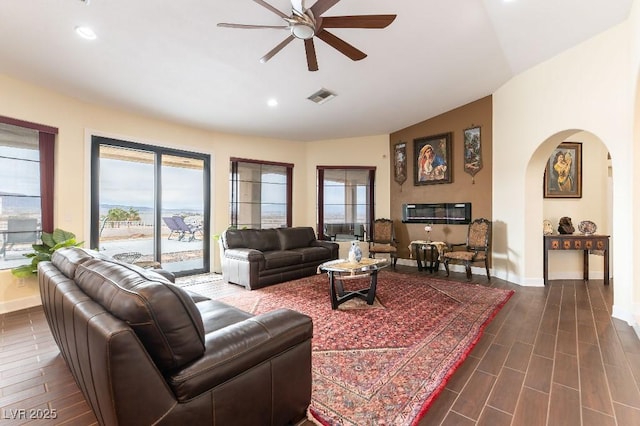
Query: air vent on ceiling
column 322, row 96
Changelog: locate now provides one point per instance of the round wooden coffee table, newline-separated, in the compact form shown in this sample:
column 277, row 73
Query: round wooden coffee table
column 342, row 270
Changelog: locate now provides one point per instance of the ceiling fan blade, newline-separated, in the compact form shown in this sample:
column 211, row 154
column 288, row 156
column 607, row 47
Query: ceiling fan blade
column 276, row 49
column 248, row 26
column 271, row 8
column 312, row 59
column 361, row 21
column 322, row 6
column 341, row 45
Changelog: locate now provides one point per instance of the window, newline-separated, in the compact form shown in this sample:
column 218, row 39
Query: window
column 260, row 194
column 26, row 187
column 345, row 202
column 150, row 205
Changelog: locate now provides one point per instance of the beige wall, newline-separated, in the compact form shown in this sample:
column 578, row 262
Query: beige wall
column 590, row 88
column 363, row 151
column 461, row 189
column 77, row 121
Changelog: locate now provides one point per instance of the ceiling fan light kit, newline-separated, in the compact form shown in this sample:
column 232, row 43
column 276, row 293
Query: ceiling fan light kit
column 303, row 31
column 307, row 23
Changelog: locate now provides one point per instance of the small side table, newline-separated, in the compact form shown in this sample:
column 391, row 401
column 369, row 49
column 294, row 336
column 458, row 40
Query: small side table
column 342, row 270
column 432, row 261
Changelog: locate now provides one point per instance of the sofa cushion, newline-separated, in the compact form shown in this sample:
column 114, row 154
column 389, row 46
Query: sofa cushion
column 313, row 254
column 292, row 238
column 258, row 239
column 68, row 259
column 280, row 258
column 164, row 316
column 218, row 315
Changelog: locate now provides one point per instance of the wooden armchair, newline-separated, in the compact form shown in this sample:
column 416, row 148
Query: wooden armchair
column 383, row 240
column 476, row 249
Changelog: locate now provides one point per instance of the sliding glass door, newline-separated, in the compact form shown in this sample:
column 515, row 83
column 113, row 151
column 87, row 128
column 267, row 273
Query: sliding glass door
column 150, row 205
column 182, row 212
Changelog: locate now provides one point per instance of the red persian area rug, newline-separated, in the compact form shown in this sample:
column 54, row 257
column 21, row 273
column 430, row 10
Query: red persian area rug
column 383, row 364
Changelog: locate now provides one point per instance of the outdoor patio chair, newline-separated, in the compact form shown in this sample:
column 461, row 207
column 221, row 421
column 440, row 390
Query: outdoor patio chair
column 173, row 227
column 188, row 230
column 19, row 231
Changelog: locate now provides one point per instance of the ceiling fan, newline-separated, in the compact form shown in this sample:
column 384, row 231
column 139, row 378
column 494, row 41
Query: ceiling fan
column 306, row 23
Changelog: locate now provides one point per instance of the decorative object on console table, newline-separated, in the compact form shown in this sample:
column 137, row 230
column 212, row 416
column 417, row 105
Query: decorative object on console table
column 400, row 163
column 472, row 151
column 432, row 160
column 587, row 243
column 547, row 228
column 563, row 173
column 587, row 227
column 565, row 226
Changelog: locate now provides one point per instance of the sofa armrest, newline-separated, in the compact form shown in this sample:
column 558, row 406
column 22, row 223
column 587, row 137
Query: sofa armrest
column 235, row 349
column 244, row 254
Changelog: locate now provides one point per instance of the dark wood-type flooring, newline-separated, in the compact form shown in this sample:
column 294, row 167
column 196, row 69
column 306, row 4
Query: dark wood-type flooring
column 552, row 356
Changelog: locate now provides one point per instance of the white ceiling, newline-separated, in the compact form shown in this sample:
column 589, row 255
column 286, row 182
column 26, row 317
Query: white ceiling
column 168, row 59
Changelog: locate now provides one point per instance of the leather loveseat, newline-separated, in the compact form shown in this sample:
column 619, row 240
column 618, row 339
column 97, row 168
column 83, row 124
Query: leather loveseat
column 256, row 258
column 145, row 351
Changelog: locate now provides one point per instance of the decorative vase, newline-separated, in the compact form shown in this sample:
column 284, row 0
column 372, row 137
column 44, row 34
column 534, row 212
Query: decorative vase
column 355, row 253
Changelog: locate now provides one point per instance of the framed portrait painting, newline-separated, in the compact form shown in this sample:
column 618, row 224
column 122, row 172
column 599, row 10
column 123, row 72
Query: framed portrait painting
column 563, row 172
column 432, row 159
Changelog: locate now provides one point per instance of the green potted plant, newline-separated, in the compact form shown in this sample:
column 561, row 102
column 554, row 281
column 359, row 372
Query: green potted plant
column 42, row 252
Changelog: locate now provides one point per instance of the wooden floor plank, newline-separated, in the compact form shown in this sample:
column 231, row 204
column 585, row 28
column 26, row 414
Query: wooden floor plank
column 552, row 355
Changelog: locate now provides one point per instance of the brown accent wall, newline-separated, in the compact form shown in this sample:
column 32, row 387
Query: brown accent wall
column 461, row 189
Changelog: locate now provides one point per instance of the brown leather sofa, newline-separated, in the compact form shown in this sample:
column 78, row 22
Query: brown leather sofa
column 256, row 258
column 145, row 351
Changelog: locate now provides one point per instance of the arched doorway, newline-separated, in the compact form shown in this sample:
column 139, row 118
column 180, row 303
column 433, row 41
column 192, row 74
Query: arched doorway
column 595, row 205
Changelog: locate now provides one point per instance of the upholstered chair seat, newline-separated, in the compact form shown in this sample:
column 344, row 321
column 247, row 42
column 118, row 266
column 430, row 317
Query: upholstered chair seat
column 476, row 249
column 383, row 240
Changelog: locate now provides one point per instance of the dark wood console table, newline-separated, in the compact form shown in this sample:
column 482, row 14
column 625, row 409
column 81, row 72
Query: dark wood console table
column 577, row 242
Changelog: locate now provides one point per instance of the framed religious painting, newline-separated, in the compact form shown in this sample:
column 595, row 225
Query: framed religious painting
column 563, row 172
column 472, row 151
column 432, row 160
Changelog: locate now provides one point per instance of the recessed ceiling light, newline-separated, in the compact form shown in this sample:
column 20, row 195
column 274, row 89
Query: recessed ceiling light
column 85, row 32
column 272, row 103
